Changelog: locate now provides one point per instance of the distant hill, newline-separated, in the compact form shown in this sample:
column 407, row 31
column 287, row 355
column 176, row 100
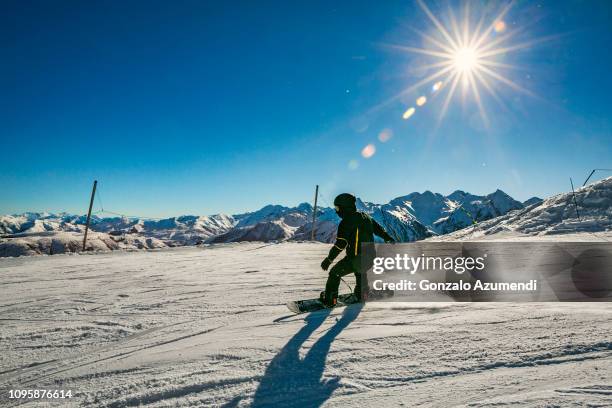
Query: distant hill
column 532, row 200
column 408, row 218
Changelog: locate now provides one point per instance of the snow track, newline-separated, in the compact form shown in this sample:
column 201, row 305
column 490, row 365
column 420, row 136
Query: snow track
column 209, row 327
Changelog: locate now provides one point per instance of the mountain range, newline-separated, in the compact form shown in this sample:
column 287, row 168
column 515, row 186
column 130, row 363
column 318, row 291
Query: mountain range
column 416, row 216
column 407, row 218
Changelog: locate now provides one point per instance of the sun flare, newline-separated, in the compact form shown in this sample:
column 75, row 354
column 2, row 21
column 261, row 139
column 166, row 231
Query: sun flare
column 465, row 60
column 469, row 55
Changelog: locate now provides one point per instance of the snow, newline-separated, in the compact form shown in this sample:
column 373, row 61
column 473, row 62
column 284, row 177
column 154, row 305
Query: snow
column 207, row 326
column 325, row 231
column 412, row 217
column 293, row 217
column 184, row 230
column 409, row 218
column 531, row 201
column 589, row 213
column 53, row 243
column 262, row 231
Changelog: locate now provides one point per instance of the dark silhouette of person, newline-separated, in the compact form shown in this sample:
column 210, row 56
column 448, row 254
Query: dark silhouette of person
column 355, row 228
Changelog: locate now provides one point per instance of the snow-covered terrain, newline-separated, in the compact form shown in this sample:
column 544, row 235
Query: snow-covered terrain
column 59, row 242
column 207, row 326
column 187, row 229
column 408, row 218
column 416, row 216
column 588, row 212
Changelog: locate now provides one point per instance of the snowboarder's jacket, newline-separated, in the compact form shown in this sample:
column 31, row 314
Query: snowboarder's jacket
column 355, row 228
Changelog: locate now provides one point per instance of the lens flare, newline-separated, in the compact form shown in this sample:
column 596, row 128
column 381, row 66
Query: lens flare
column 408, row 113
column 368, row 151
column 421, row 100
column 385, row 135
column 474, row 56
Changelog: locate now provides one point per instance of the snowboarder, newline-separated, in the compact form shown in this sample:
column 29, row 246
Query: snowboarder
column 355, row 228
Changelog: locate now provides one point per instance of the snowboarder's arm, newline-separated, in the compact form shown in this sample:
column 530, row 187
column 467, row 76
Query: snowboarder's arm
column 380, row 231
column 340, row 244
column 338, row 247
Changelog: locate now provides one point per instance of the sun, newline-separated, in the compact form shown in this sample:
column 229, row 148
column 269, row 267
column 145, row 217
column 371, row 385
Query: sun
column 465, row 60
column 468, row 55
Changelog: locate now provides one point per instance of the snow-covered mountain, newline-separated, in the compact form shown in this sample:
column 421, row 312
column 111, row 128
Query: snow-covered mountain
column 532, row 200
column 324, row 232
column 38, row 222
column 589, row 212
column 278, row 223
column 421, row 215
column 291, row 216
column 408, row 218
column 465, row 209
column 276, row 230
column 188, row 228
column 411, row 217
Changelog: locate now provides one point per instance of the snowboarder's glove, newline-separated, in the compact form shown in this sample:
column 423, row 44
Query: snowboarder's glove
column 325, row 264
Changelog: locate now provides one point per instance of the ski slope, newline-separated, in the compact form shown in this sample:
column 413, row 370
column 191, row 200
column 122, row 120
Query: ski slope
column 208, row 326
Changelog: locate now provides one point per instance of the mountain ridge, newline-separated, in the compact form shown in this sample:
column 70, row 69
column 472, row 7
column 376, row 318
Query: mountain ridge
column 411, row 217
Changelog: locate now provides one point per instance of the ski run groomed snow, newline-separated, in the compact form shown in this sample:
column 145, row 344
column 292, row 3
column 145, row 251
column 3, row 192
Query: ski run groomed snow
column 208, row 326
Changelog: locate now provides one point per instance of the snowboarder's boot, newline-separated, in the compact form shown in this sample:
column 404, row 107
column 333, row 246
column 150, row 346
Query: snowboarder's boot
column 328, row 301
column 361, row 295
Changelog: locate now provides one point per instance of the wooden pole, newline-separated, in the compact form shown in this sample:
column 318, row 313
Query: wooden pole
column 314, row 213
column 93, row 194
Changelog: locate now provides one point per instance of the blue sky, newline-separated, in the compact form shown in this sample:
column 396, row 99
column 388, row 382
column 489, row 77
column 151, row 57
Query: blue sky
column 200, row 107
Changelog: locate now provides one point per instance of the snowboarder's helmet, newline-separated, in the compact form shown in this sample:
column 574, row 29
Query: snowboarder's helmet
column 345, row 200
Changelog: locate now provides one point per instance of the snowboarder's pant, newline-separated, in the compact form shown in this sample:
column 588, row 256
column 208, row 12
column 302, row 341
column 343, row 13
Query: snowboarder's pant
column 344, row 267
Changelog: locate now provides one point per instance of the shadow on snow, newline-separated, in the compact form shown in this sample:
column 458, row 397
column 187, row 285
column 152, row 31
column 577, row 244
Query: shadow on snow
column 290, row 381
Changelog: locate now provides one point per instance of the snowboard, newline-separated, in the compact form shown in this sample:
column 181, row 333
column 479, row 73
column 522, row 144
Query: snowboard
column 312, row 305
